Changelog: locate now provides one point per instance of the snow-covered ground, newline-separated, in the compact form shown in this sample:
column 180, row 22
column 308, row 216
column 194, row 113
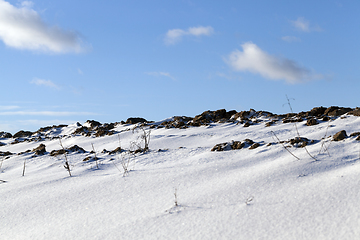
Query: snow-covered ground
column 261, row 193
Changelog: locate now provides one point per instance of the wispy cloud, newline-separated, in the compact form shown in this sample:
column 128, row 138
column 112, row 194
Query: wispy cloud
column 45, row 113
column 159, row 74
column 6, row 108
column 303, row 25
column 174, row 36
column 291, row 39
column 22, row 28
column 255, row 60
column 46, row 83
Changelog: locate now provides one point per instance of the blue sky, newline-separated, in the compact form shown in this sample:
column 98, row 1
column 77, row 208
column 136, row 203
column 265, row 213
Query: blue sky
column 67, row 61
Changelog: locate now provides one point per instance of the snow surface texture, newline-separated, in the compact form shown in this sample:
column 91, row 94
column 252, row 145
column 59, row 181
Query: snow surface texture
column 261, row 193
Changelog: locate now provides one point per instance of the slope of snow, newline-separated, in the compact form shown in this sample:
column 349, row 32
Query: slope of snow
column 263, row 193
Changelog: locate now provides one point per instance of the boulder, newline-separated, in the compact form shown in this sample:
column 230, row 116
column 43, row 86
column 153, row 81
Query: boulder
column 340, row 136
column 22, row 134
column 221, row 147
column 5, row 135
column 40, row 150
column 255, row 145
column 135, row 120
column 311, row 122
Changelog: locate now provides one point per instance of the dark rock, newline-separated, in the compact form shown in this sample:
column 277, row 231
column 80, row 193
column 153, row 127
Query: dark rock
column 255, row 145
column 135, row 120
column 336, row 111
column 325, row 118
column 237, row 145
column 340, row 136
column 22, row 134
column 358, row 138
column 247, row 124
column 213, row 116
column 40, row 150
column 117, row 150
column 5, row 135
column 45, row 129
column 93, row 124
column 355, row 134
column 299, row 142
column 249, row 141
column 316, row 112
column 81, row 130
column 76, row 148
column 221, row 147
column 311, row 122
column 57, row 152
column 355, row 112
column 4, row 154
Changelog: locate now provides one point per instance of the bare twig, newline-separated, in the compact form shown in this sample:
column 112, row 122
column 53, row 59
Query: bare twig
column 297, row 131
column 2, row 160
column 66, row 165
column 175, row 200
column 23, row 173
column 284, row 146
column 97, row 166
column 323, row 143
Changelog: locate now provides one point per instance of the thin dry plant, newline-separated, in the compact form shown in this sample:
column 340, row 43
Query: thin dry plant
column 278, row 140
column 97, row 166
column 23, row 172
column 2, row 160
column 323, row 146
column 66, row 165
column 297, row 131
column 175, row 196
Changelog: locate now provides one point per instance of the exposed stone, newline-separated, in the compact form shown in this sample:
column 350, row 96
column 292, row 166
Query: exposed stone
column 336, row 111
column 249, row 141
column 316, row 112
column 311, row 122
column 247, row 124
column 93, row 124
column 255, row 145
column 22, row 134
column 237, row 145
column 340, row 135
column 116, row 150
column 213, row 116
column 40, row 150
column 4, row 154
column 82, row 130
column 355, row 112
column 76, row 148
column 221, row 147
column 299, row 142
column 5, row 135
column 355, row 134
column 135, row 120
column 57, row 152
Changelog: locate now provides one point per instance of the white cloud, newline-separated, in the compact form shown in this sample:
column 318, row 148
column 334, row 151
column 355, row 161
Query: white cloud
column 304, row 25
column 291, row 39
column 80, row 71
column 255, row 60
column 44, row 113
column 158, row 74
column 46, row 83
column 22, row 28
column 175, row 35
column 2, row 108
